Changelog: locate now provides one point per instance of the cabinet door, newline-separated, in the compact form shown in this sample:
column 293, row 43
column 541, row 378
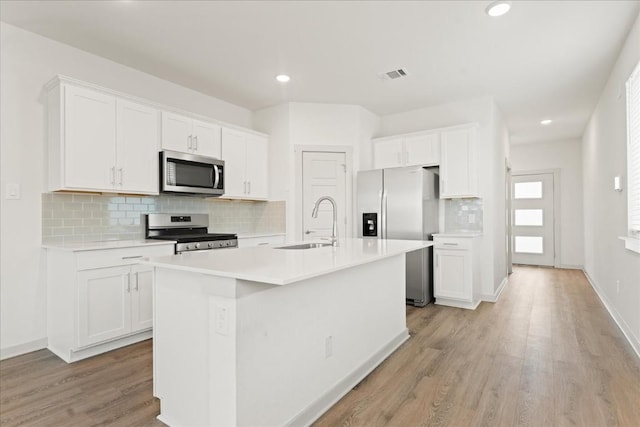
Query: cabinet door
column 452, row 278
column 206, row 139
column 387, row 153
column 104, row 304
column 141, row 297
column 137, row 148
column 234, row 156
column 458, row 167
column 257, row 163
column 176, row 132
column 422, row 150
column 90, row 139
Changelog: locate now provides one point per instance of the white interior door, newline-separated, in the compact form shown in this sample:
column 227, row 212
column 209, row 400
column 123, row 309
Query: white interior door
column 533, row 219
column 323, row 174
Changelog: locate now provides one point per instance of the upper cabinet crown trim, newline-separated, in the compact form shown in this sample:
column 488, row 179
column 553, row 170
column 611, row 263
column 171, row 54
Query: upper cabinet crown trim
column 425, row 131
column 62, row 79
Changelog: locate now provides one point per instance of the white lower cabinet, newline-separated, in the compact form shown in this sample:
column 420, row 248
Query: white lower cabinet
column 457, row 271
column 99, row 300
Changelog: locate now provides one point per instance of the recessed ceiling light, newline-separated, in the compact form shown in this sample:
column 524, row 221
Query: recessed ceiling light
column 283, row 78
column 545, row 122
column 498, row 8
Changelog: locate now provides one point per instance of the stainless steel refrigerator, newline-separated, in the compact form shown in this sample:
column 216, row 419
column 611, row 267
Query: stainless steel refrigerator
column 402, row 203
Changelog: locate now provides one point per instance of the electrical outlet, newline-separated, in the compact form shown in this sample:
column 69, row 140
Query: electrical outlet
column 328, row 347
column 222, row 320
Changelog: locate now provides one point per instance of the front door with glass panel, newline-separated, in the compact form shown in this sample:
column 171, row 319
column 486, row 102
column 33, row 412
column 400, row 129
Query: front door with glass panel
column 532, row 219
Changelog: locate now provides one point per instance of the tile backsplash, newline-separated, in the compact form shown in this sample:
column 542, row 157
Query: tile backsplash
column 83, row 217
column 463, row 216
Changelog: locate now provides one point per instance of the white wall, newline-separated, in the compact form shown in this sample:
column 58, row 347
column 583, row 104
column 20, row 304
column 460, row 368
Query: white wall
column 604, row 156
column 295, row 124
column 492, row 149
column 567, row 157
column 27, row 62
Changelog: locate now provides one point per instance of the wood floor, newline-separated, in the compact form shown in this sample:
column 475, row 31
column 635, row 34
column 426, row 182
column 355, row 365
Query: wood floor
column 546, row 354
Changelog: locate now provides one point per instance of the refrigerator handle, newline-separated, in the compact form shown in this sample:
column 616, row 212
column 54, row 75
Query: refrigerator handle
column 383, row 215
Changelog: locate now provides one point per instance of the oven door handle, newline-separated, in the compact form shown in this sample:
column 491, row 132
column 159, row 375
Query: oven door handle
column 217, row 179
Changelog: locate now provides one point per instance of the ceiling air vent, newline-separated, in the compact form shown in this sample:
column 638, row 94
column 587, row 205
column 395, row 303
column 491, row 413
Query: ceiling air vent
column 394, row 74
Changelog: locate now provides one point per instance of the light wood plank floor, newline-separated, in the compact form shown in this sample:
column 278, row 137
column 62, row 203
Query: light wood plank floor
column 546, row 354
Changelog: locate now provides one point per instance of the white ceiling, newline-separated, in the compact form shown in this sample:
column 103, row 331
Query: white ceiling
column 543, row 59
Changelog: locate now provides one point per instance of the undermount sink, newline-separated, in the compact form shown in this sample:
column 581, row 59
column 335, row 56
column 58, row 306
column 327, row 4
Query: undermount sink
column 305, row 246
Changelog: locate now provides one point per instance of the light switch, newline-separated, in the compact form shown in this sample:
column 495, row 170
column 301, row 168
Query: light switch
column 13, row 192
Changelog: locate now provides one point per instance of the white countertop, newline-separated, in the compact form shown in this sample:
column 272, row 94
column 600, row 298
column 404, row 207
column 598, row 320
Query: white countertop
column 106, row 244
column 268, row 264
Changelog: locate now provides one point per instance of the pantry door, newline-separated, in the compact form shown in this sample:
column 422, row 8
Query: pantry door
column 533, row 219
column 323, row 174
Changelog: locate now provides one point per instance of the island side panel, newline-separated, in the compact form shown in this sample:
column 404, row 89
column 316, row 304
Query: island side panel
column 194, row 366
column 302, row 346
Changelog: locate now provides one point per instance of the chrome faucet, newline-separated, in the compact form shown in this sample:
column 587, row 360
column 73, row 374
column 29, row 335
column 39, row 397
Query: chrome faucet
column 334, row 233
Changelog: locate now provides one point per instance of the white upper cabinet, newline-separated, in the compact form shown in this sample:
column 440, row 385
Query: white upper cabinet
column 422, row 149
column 407, row 150
column 137, row 147
column 187, row 135
column 458, row 163
column 100, row 142
column 246, row 165
column 89, row 146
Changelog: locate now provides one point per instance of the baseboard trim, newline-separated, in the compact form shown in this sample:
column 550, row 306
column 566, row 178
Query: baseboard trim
column 344, row 386
column 21, row 349
column 622, row 325
column 496, row 295
column 571, row 267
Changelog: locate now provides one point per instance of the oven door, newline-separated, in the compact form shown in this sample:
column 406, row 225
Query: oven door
column 191, row 174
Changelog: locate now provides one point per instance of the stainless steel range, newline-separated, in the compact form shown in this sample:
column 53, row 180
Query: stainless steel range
column 190, row 231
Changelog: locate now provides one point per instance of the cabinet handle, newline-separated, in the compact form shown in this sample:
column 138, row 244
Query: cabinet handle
column 113, row 175
column 129, row 282
column 450, row 244
column 136, row 283
column 190, row 143
column 244, row 183
column 399, row 157
column 132, row 257
column 406, row 157
column 195, row 143
column 249, row 186
column 121, row 174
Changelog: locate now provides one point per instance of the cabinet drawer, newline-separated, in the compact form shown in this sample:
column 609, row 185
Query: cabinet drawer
column 121, row 256
column 452, row 243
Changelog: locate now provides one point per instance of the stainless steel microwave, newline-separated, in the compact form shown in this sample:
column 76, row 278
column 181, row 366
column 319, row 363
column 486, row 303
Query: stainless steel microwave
column 191, row 174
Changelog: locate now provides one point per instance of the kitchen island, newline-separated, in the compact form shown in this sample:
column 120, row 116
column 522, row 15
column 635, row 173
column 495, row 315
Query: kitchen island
column 269, row 336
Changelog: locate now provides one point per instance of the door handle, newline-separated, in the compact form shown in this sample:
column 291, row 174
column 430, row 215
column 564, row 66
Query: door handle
column 309, row 232
column 195, row 144
column 135, row 287
column 113, row 175
column 129, row 282
column 190, row 142
column 121, row 174
column 216, row 172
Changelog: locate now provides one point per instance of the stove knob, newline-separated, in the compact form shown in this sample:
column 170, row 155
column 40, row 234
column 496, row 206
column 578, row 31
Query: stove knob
column 210, row 245
column 197, row 246
column 187, row 247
